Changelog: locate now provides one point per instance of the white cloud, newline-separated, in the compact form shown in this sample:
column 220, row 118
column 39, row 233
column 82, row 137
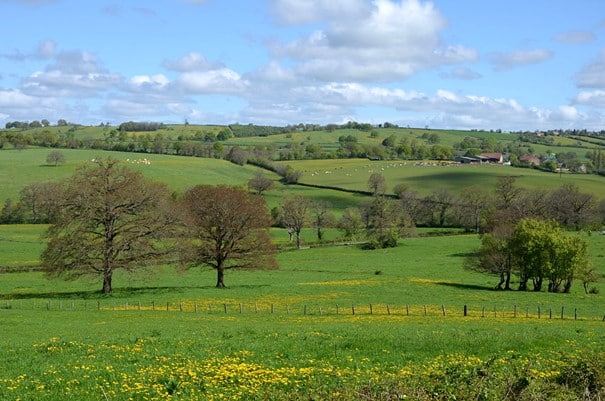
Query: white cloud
column 222, row 81
column 75, row 74
column 592, row 75
column 310, row 11
column 462, row 73
column 143, row 83
column 594, row 98
column 392, row 41
column 507, row 61
column 191, row 62
column 574, row 37
column 16, row 105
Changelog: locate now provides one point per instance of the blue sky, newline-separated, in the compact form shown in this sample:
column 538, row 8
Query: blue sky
column 462, row 64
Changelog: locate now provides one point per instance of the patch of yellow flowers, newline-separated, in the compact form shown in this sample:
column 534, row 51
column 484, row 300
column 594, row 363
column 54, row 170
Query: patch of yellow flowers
column 140, row 371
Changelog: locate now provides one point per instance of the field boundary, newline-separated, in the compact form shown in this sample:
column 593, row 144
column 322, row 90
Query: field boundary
column 537, row 312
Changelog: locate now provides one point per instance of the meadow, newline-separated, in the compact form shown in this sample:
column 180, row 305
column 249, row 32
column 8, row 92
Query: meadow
column 334, row 322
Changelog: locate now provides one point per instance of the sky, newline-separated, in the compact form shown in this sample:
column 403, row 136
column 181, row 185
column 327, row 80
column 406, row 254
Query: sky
column 452, row 64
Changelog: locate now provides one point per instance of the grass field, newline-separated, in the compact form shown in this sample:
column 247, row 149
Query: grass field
column 170, row 335
column 334, row 322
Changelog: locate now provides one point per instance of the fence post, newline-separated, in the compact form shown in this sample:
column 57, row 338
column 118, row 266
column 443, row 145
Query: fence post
column 539, row 312
column 527, row 311
column 271, row 308
column 550, row 312
column 388, row 310
column 483, row 311
column 371, row 310
column 337, row 309
column 152, row 305
column 353, row 309
column 562, row 312
column 515, row 310
column 287, row 309
column 575, row 314
column 424, row 310
column 443, row 309
column 407, row 310
column 225, row 308
column 139, row 306
column 255, row 307
column 240, row 308
column 195, row 307
column 465, row 311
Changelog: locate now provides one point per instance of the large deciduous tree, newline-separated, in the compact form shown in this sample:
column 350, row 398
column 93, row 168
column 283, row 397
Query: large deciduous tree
column 260, row 183
column 110, row 217
column 228, row 228
column 294, row 215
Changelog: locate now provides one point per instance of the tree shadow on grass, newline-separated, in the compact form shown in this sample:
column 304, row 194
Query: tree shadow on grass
column 120, row 292
column 461, row 286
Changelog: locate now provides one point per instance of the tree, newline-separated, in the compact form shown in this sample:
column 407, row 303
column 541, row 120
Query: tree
column 385, row 223
column 228, row 228
column 377, row 184
column 293, row 215
column 351, row 223
column 321, row 217
column 572, row 208
column 55, row 158
column 260, row 183
column 110, row 218
column 494, row 256
column 541, row 251
column 40, row 202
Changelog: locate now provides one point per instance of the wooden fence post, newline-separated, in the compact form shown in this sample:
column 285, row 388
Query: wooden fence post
column 465, row 311
column 240, row 308
column 388, row 310
column 225, row 308
column 443, row 309
column 337, row 309
column 562, row 312
column 539, row 311
column 353, row 309
column 371, row 310
column 407, row 310
column 424, row 310
column 483, row 311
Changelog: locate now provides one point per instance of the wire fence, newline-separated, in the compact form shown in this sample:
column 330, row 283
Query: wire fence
column 301, row 309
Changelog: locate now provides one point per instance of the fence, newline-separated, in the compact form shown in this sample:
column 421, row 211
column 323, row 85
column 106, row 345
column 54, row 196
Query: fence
column 470, row 311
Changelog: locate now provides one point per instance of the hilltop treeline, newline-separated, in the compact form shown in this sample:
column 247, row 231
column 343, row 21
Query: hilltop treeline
column 385, row 143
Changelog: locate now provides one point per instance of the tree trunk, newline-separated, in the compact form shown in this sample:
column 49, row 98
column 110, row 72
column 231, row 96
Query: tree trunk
column 507, row 285
column 220, row 275
column 298, row 239
column 107, row 282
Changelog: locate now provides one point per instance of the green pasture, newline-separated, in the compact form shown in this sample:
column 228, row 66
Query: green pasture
column 331, row 321
column 21, row 167
column 421, row 271
column 426, row 176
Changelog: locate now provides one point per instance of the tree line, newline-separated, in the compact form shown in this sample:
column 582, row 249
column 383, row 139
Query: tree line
column 140, row 137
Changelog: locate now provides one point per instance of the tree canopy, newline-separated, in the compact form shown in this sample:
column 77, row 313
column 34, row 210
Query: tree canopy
column 109, row 218
column 227, row 228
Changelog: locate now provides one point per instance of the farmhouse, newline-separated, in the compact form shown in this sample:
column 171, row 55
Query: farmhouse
column 491, row 158
column 530, row 159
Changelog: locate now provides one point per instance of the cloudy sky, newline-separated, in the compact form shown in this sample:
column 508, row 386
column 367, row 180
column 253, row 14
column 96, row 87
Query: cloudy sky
column 511, row 65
